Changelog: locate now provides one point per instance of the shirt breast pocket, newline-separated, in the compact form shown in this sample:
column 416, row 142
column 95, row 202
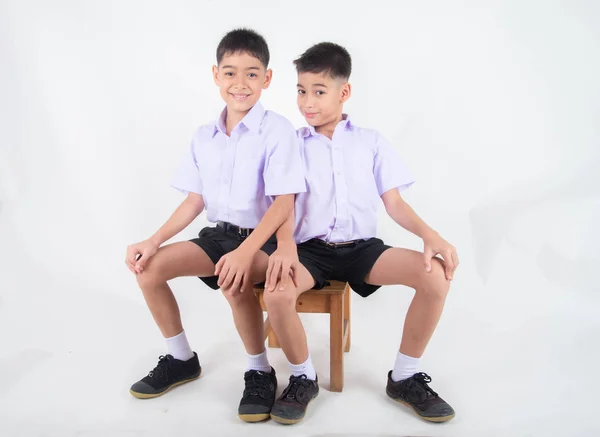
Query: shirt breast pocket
column 362, row 178
column 248, row 179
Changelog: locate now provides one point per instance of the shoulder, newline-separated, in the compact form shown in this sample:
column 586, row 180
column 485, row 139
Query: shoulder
column 366, row 137
column 204, row 132
column 274, row 121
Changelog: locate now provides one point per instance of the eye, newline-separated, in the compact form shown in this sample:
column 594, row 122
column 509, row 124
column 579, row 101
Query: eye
column 301, row 92
column 253, row 75
column 229, row 73
column 319, row 93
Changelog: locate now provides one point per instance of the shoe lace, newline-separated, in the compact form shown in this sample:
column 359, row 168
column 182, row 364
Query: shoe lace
column 162, row 369
column 296, row 382
column 418, row 386
column 256, row 384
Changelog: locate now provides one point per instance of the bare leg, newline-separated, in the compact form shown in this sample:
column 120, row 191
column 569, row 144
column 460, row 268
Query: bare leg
column 286, row 324
column 246, row 310
column 405, row 267
column 174, row 260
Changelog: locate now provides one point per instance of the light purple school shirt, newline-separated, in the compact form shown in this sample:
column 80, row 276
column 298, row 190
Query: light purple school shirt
column 345, row 178
column 238, row 176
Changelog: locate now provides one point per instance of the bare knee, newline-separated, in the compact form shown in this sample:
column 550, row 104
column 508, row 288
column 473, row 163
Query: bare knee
column 434, row 284
column 151, row 277
column 280, row 301
column 237, row 299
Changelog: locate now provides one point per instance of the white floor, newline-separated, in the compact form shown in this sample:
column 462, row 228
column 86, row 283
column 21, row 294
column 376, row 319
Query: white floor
column 514, row 358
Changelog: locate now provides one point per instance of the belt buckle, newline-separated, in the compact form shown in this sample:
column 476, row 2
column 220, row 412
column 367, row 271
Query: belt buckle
column 243, row 232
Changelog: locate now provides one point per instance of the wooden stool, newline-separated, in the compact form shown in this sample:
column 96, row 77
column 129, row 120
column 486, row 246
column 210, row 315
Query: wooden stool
column 335, row 301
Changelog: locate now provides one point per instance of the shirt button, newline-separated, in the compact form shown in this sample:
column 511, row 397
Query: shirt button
column 225, row 181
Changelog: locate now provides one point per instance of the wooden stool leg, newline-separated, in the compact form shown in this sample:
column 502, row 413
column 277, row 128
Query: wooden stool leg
column 336, row 335
column 270, row 334
column 347, row 314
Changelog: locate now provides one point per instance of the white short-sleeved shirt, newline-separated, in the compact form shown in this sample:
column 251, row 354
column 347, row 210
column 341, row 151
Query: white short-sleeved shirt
column 238, row 176
column 345, row 177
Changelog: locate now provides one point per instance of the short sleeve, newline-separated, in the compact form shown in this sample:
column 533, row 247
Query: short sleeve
column 388, row 169
column 284, row 169
column 187, row 177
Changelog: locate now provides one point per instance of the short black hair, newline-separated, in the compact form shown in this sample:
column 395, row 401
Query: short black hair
column 244, row 41
column 325, row 57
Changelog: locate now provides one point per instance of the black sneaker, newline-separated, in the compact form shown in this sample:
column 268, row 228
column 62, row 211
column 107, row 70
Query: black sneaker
column 415, row 393
column 168, row 373
column 291, row 406
column 259, row 396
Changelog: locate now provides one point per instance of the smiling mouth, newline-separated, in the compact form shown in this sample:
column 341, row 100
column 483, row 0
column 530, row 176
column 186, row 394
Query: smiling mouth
column 240, row 97
column 310, row 114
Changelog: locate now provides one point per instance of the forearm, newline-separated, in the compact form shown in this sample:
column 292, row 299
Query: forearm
column 185, row 213
column 278, row 213
column 285, row 233
column 402, row 213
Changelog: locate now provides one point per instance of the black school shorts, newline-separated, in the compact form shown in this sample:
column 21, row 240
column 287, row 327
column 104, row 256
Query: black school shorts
column 216, row 242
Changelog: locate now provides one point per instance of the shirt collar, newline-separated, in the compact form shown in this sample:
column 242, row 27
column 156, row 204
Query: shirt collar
column 252, row 120
column 345, row 124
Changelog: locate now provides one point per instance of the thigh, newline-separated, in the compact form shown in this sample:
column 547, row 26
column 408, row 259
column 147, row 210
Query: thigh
column 399, row 266
column 179, row 259
column 318, row 261
column 260, row 263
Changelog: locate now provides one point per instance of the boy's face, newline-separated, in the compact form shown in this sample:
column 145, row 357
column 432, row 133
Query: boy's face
column 321, row 97
column 241, row 78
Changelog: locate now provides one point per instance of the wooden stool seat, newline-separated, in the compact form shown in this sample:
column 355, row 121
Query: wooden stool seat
column 334, row 300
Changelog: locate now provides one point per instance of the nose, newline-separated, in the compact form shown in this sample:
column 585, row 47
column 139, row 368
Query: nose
column 240, row 81
column 308, row 101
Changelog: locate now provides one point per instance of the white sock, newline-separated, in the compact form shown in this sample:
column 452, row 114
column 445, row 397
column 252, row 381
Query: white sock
column 306, row 368
column 179, row 347
column 259, row 362
column 405, row 367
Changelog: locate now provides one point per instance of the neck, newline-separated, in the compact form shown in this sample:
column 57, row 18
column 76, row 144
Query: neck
column 232, row 118
column 327, row 129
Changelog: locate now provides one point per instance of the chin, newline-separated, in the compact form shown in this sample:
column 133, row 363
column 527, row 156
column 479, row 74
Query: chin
column 312, row 122
column 240, row 106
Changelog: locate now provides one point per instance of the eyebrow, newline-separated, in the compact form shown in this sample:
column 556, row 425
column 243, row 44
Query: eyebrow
column 233, row 67
column 314, row 84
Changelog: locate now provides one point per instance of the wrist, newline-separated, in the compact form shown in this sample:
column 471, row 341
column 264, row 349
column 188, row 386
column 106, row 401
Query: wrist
column 285, row 242
column 155, row 240
column 429, row 234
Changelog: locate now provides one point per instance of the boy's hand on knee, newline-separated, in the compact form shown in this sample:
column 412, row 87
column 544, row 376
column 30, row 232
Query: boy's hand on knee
column 283, row 265
column 138, row 255
column 233, row 270
column 436, row 245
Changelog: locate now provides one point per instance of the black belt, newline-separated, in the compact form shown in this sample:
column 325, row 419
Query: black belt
column 228, row 227
column 335, row 245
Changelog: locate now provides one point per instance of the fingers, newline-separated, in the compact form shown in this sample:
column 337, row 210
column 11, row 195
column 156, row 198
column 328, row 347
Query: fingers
column 130, row 258
column 274, row 274
column 285, row 275
column 228, row 282
column 246, row 285
column 223, row 272
column 237, row 281
column 427, row 256
column 219, row 265
column 294, row 276
column 448, row 264
column 456, row 261
column 268, row 274
column 142, row 260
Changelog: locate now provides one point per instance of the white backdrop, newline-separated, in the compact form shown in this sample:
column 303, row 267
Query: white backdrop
column 493, row 105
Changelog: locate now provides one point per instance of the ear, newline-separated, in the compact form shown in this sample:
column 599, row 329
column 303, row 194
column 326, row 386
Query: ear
column 215, row 72
column 346, row 92
column 268, row 77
